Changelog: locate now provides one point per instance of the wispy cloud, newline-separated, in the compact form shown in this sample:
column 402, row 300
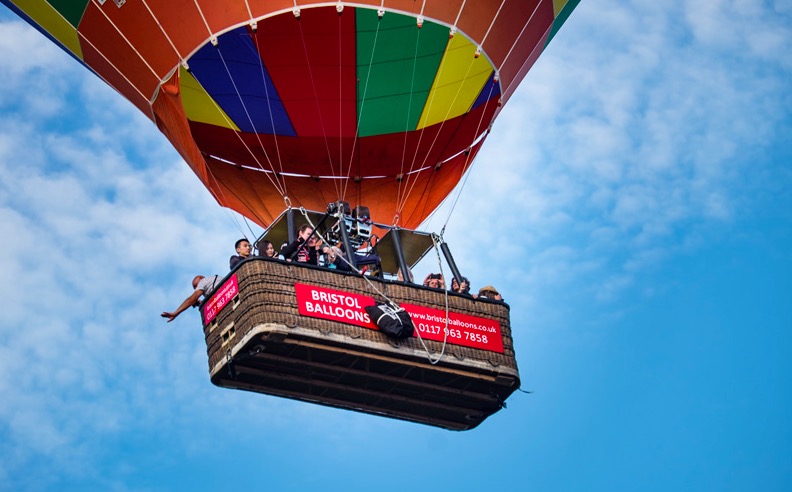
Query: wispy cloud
column 644, row 124
column 96, row 242
column 629, row 136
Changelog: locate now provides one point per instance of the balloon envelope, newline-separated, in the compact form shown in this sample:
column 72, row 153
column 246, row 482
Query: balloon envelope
column 384, row 104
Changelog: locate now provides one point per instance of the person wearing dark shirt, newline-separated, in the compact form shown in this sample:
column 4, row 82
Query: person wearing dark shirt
column 305, row 251
column 242, row 247
column 267, row 250
column 464, row 288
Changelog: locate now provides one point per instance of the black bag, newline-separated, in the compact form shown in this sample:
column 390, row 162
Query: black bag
column 395, row 323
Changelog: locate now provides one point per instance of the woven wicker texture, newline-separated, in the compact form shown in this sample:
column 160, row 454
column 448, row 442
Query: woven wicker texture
column 267, row 295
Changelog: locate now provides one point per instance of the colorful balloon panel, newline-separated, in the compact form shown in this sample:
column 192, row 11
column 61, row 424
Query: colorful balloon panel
column 458, row 83
column 199, row 105
column 312, row 64
column 268, row 100
column 234, row 77
column 56, row 20
column 397, row 64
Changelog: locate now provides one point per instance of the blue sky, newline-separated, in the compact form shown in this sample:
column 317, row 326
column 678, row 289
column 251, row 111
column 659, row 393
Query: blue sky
column 633, row 204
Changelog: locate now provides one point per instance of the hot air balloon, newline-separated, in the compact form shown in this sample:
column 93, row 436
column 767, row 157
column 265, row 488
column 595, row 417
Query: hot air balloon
column 286, row 105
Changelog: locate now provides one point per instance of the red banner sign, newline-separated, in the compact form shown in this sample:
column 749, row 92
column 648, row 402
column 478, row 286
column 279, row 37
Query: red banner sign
column 463, row 329
column 345, row 307
column 220, row 298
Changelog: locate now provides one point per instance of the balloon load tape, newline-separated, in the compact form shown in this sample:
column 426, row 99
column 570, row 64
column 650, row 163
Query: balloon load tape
column 394, row 322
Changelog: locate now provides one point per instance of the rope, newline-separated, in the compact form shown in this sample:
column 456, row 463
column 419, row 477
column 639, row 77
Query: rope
column 484, row 39
column 164, row 33
column 84, row 38
column 230, row 215
column 403, row 201
column 466, row 165
column 445, row 328
column 132, row 46
column 275, row 184
column 203, row 17
column 221, row 198
column 318, row 109
column 361, row 112
column 517, row 39
column 272, row 119
column 252, row 234
column 459, row 14
column 280, row 188
column 390, row 301
column 406, row 124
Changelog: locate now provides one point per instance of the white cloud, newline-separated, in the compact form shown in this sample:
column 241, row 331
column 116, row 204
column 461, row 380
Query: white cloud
column 95, row 245
column 626, row 141
column 630, row 135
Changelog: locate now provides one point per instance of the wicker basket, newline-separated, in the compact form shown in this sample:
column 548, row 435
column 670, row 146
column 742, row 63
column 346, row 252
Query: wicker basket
column 259, row 342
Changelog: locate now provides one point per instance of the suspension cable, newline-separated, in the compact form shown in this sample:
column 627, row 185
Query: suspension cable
column 414, row 179
column 390, row 301
column 407, row 121
column 316, row 99
column 360, row 112
column 468, row 164
column 280, row 187
column 271, row 117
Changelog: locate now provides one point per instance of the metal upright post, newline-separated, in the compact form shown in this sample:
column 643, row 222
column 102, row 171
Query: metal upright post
column 451, row 263
column 345, row 239
column 397, row 245
column 290, row 225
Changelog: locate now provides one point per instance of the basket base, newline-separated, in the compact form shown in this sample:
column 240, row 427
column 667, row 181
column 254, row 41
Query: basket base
column 305, row 365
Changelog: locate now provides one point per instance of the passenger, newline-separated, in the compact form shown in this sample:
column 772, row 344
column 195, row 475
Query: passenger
column 330, row 255
column 460, row 289
column 268, row 249
column 400, row 276
column 305, row 252
column 334, row 258
column 242, row 247
column 280, row 253
column 435, row 281
column 203, row 287
column 489, row 292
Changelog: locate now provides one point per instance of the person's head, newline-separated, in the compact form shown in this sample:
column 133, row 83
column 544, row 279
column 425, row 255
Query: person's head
column 268, row 249
column 242, row 247
column 305, row 231
column 434, row 280
column 332, row 253
column 197, row 279
column 400, row 276
column 489, row 292
column 463, row 288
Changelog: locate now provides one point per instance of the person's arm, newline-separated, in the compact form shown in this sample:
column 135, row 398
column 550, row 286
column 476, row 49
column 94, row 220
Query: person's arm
column 234, row 261
column 190, row 301
column 289, row 249
column 313, row 256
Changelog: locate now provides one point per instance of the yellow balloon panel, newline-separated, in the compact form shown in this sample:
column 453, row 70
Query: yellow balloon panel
column 459, row 80
column 558, row 6
column 199, row 106
column 53, row 22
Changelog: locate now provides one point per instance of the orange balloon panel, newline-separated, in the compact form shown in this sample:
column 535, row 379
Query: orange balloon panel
column 238, row 188
column 383, row 104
